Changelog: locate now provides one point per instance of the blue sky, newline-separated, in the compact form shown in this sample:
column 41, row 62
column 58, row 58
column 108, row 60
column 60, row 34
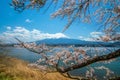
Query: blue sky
column 40, row 23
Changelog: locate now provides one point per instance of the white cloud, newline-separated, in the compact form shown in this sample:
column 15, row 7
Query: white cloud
column 28, row 21
column 81, row 37
column 95, row 34
column 86, row 38
column 27, row 35
column 8, row 28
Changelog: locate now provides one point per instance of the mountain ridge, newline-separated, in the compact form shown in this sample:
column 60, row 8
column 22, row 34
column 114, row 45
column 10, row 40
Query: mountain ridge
column 76, row 42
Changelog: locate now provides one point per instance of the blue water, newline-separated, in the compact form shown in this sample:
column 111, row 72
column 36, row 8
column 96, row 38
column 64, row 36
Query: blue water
column 31, row 57
column 21, row 53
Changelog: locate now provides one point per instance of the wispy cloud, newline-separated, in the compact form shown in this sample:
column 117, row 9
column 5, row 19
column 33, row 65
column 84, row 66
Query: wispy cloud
column 86, row 38
column 28, row 21
column 8, row 27
column 28, row 35
column 95, row 34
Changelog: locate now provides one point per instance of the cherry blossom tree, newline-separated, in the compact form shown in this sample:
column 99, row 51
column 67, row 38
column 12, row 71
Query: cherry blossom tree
column 66, row 59
column 106, row 13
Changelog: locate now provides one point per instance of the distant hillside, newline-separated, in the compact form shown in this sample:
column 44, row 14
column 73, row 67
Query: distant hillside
column 68, row 42
column 76, row 42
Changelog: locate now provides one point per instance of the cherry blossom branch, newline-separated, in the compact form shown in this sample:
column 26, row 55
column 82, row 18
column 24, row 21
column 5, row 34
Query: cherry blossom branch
column 91, row 61
column 30, row 49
